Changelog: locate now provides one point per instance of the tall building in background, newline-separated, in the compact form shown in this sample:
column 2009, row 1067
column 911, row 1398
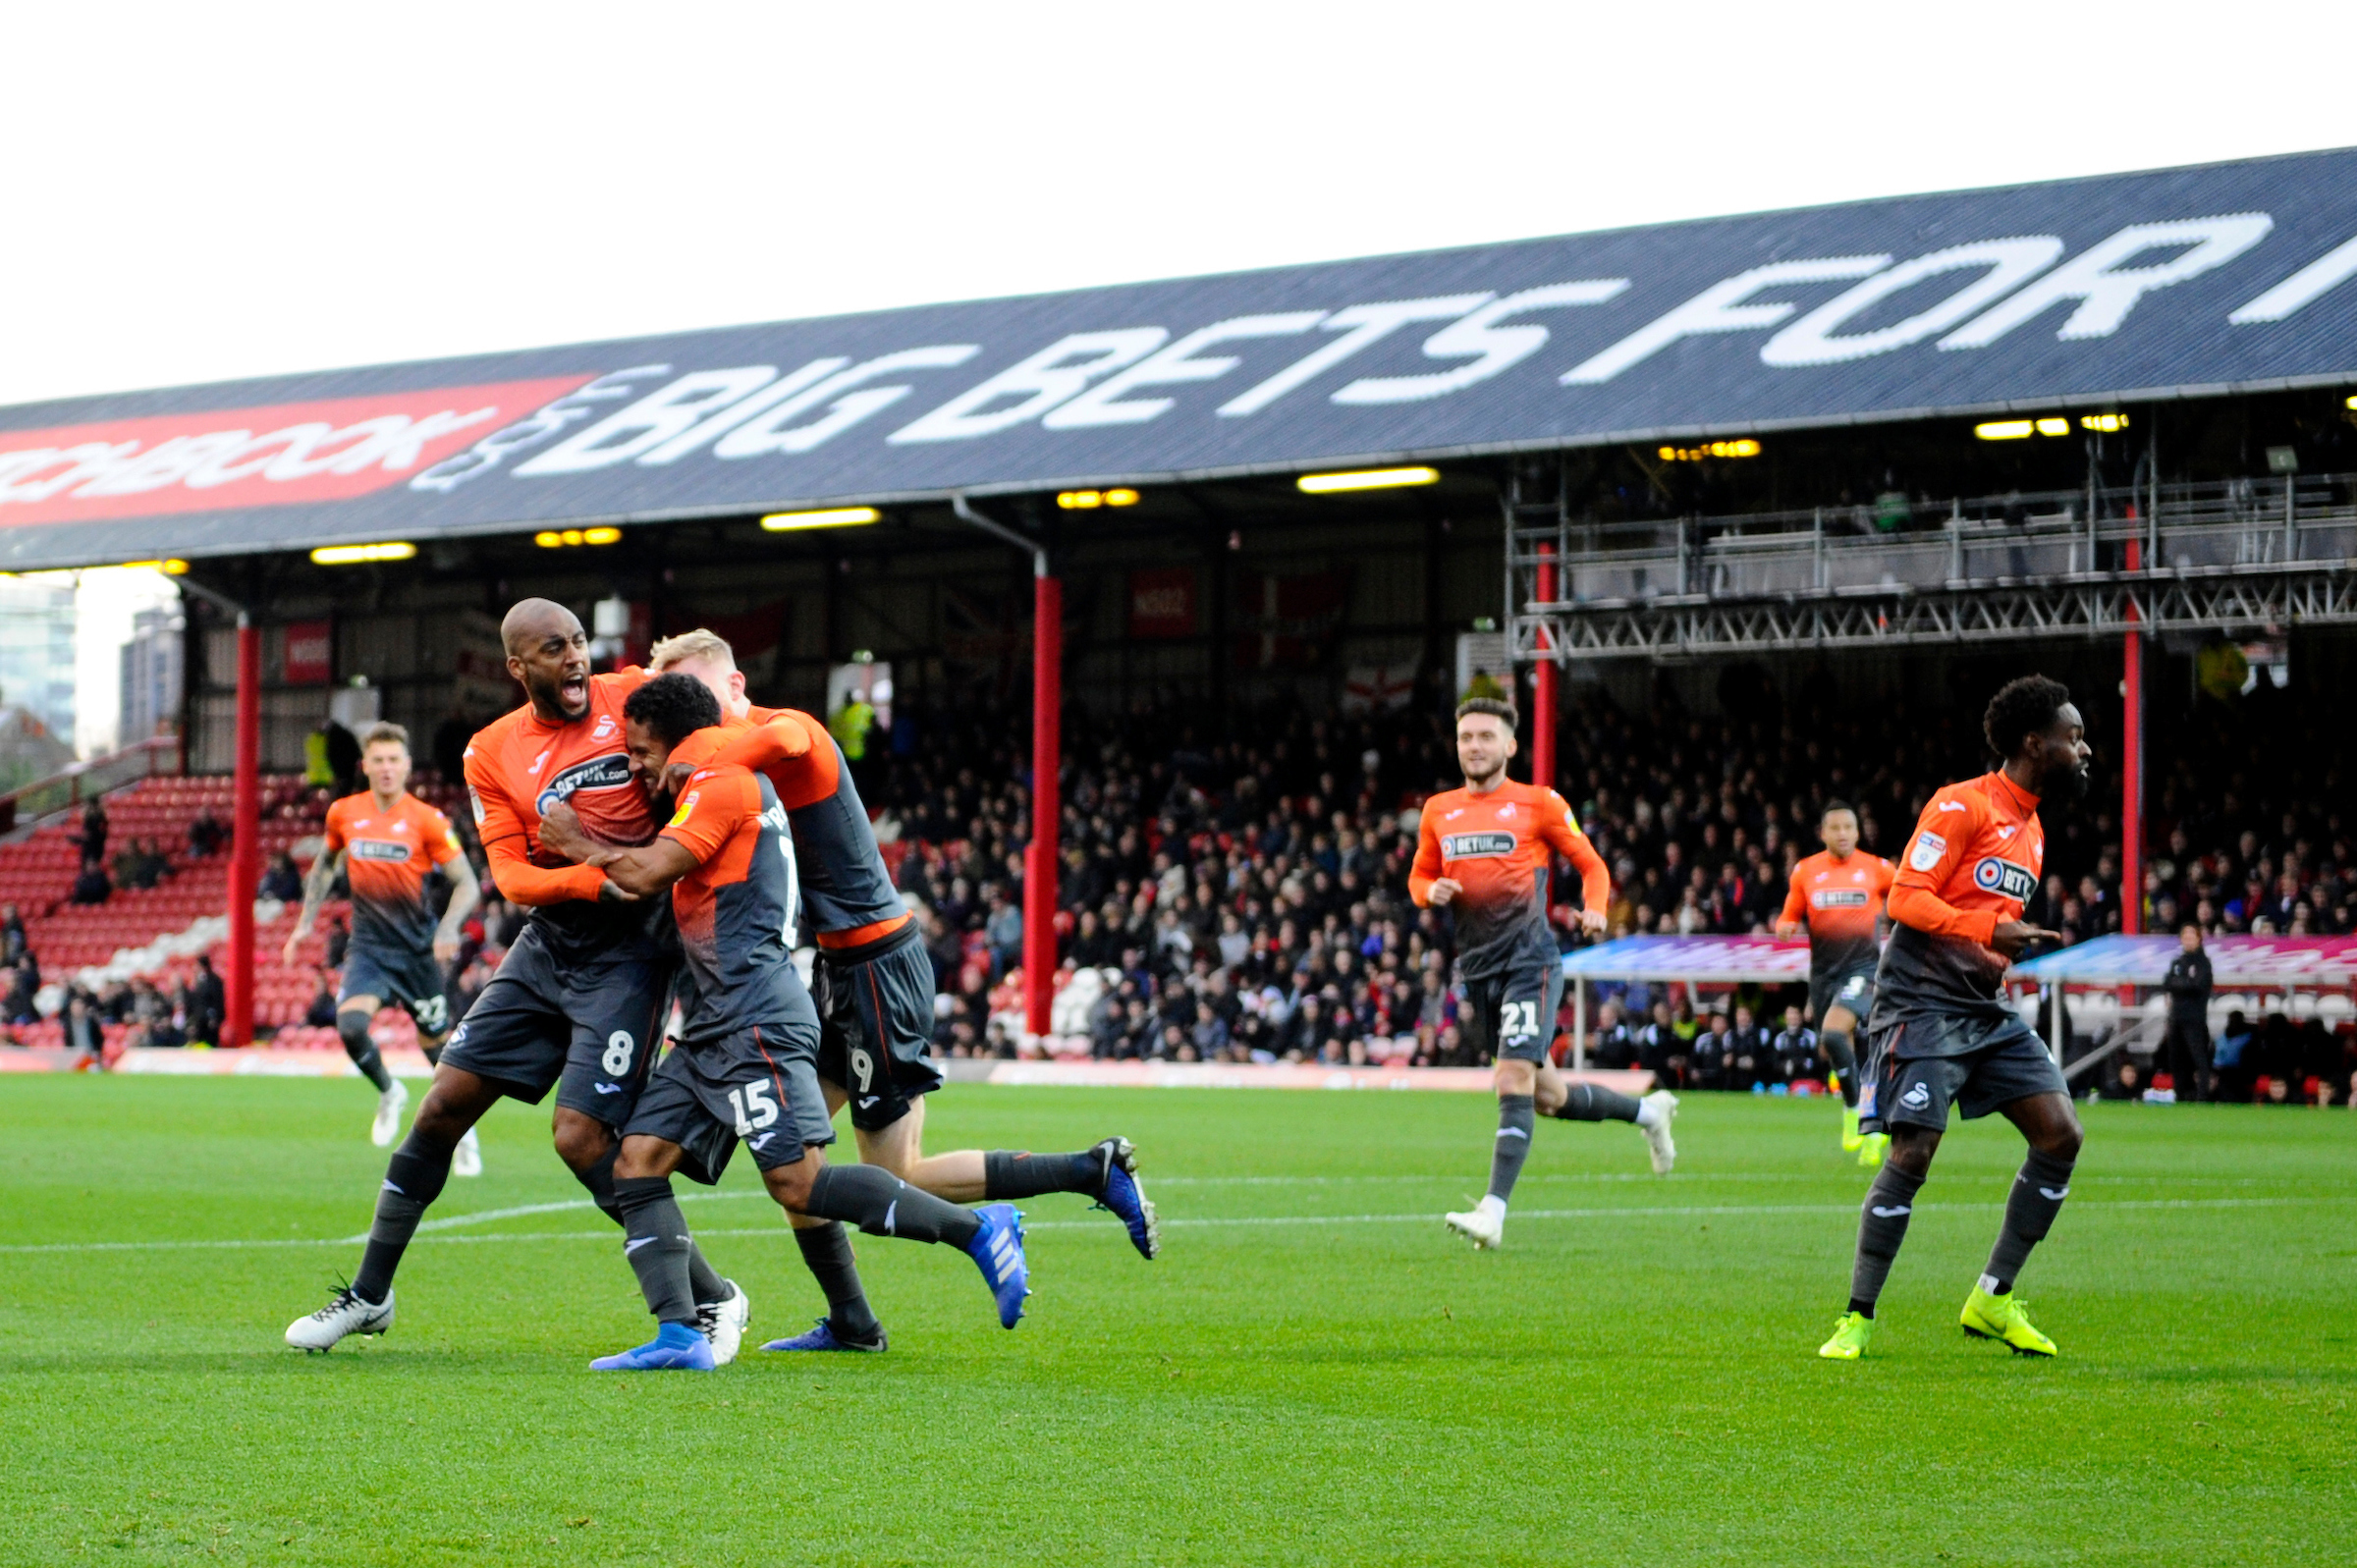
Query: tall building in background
column 151, row 676
column 36, row 653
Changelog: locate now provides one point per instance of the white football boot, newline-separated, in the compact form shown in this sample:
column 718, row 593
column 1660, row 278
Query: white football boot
column 1659, row 1107
column 1484, row 1225
column 389, row 1107
column 344, row 1313
column 466, row 1159
column 723, row 1321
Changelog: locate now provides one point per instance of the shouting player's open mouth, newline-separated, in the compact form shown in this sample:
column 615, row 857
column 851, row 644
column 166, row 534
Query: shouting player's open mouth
column 573, row 694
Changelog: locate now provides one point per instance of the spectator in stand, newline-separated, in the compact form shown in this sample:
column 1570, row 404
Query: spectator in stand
column 338, row 941
column 2188, row 1043
column 2233, row 1077
column 84, row 1035
column 91, row 887
column 1751, row 1060
column 139, row 868
column 1005, row 928
column 205, row 835
column 280, row 880
column 1795, row 1048
column 12, row 935
column 94, row 829
column 1612, row 1044
column 24, row 983
column 207, row 1003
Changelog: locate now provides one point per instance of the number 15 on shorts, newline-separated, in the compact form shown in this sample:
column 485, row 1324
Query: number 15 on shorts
column 754, row 1108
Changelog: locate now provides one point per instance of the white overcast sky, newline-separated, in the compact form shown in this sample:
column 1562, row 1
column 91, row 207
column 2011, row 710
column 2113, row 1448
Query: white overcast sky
column 197, row 193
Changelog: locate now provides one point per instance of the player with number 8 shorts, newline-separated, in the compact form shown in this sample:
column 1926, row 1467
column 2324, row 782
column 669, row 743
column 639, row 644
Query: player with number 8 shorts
column 742, row 1067
column 1484, row 853
column 574, row 1007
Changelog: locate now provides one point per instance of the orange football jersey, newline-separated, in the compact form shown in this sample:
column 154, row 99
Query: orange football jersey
column 1974, row 861
column 1840, row 902
column 387, row 856
column 1499, row 846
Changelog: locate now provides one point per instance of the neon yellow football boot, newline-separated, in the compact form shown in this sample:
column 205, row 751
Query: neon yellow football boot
column 1850, row 1136
column 2004, row 1318
column 1851, row 1337
column 1871, row 1150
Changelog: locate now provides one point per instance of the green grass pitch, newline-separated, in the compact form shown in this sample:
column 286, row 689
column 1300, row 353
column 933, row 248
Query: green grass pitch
column 1314, row 1373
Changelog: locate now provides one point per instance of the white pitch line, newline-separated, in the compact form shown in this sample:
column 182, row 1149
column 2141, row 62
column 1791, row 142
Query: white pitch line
column 1640, row 1211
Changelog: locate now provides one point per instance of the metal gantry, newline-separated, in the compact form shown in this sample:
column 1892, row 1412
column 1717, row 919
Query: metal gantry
column 2228, row 557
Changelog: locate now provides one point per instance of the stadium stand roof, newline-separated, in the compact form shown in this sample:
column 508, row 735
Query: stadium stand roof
column 2177, row 283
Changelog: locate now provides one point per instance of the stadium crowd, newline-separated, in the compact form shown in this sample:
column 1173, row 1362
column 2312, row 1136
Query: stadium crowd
column 1234, row 884
column 1242, row 880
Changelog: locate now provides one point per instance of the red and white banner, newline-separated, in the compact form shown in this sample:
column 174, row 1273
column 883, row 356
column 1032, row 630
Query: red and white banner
column 1162, row 602
column 275, row 455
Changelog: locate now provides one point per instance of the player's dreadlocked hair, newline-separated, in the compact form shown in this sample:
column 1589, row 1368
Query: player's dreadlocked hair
column 674, row 706
column 1497, row 709
column 2022, row 707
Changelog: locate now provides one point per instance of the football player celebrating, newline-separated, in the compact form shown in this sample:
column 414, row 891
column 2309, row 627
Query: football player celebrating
column 744, row 1067
column 1837, row 895
column 574, row 1003
column 1940, row 1029
column 388, row 841
column 873, row 983
column 1483, row 853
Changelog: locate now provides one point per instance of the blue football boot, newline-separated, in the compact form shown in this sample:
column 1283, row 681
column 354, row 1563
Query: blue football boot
column 1126, row 1196
column 824, row 1337
column 997, row 1250
column 677, row 1347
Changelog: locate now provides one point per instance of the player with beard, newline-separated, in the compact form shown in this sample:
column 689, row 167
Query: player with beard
column 873, row 983
column 388, row 841
column 1484, row 853
column 742, row 1067
column 1941, row 1032
column 1837, row 896
column 574, row 1006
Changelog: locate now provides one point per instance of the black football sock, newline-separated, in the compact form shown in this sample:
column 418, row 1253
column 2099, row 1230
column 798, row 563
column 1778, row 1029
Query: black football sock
column 1517, row 1114
column 657, row 1246
column 414, row 1179
column 352, row 1030
column 882, row 1204
column 827, row 1251
column 2039, row 1189
column 1882, row 1227
column 1007, row 1173
column 1585, row 1102
column 702, row 1277
column 1839, row 1051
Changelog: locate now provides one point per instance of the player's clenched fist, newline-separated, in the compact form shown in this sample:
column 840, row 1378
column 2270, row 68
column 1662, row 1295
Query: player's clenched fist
column 1443, row 890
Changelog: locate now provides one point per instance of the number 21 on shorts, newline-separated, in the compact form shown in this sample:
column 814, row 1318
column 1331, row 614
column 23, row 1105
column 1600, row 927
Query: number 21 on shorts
column 754, row 1108
column 1517, row 1020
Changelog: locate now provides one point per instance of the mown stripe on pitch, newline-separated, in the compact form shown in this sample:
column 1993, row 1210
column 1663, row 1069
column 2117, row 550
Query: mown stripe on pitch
column 1633, row 1212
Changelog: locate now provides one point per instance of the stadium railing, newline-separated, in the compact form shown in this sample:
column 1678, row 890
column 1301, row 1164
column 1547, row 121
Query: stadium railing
column 2278, row 521
column 65, row 789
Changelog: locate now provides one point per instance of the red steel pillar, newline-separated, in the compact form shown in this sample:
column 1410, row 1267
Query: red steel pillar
column 2131, row 764
column 245, row 838
column 1041, row 860
column 1543, row 680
